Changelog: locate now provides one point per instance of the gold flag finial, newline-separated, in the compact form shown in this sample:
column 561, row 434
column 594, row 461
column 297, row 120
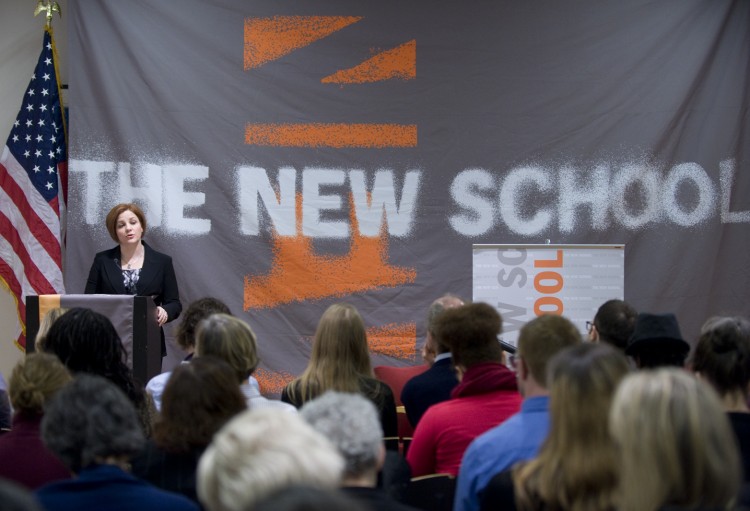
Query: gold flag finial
column 49, row 7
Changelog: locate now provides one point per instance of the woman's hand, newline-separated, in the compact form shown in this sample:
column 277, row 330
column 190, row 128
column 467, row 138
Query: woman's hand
column 161, row 316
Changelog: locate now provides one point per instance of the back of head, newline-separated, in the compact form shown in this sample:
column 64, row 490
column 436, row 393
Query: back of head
column 341, row 339
column 196, row 312
column 352, row 424
column 437, row 307
column 470, row 331
column 49, row 317
column 676, row 445
column 657, row 342
column 34, row 380
column 722, row 354
column 614, row 322
column 230, row 339
column 259, row 452
column 89, row 420
column 541, row 339
column 199, row 398
column 340, row 358
column 583, row 379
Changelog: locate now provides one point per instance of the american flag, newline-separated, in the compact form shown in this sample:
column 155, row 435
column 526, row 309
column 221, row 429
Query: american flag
column 33, row 182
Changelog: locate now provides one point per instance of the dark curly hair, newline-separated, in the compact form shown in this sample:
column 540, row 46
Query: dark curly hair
column 87, row 342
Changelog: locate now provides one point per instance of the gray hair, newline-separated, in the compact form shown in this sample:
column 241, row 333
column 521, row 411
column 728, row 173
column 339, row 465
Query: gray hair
column 89, row 419
column 351, row 423
column 261, row 451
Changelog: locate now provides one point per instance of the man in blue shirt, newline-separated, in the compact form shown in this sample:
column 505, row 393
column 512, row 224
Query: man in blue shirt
column 520, row 437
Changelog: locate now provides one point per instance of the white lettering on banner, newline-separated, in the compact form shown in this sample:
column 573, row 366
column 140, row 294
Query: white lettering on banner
column 373, row 209
column 632, row 196
column 382, row 202
column 174, row 178
column 577, row 190
column 726, row 181
column 479, row 211
column 159, row 188
column 528, row 200
column 512, row 195
column 642, row 182
column 148, row 188
column 253, row 183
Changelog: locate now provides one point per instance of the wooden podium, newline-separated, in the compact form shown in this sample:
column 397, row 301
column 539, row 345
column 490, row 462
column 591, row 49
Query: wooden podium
column 134, row 318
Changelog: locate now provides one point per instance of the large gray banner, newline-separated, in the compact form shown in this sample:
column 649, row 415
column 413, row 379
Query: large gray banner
column 293, row 154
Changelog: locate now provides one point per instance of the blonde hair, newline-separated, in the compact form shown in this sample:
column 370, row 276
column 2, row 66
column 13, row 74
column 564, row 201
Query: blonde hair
column 229, row 339
column 340, row 358
column 49, row 317
column 34, row 380
column 261, row 451
column 576, row 468
column 676, row 444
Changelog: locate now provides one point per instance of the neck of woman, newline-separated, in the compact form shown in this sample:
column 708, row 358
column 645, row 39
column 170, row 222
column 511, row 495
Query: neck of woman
column 130, row 252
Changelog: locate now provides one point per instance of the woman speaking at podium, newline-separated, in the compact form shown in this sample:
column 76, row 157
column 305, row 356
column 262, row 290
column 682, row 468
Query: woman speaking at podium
column 134, row 268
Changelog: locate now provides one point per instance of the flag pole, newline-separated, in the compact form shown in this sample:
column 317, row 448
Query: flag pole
column 49, row 7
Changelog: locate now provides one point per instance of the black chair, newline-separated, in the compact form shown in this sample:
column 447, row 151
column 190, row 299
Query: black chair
column 431, row 492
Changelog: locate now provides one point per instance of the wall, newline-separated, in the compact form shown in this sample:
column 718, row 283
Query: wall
column 20, row 43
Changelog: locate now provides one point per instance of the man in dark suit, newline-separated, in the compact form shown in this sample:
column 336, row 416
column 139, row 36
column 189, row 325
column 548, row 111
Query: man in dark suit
column 434, row 385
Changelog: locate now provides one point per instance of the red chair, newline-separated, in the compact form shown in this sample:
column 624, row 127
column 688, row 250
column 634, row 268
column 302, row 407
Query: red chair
column 396, row 378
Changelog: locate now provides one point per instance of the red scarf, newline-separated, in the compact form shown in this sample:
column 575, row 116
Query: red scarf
column 484, row 378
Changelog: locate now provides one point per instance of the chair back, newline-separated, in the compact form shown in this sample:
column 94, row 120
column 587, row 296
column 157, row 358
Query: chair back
column 433, row 492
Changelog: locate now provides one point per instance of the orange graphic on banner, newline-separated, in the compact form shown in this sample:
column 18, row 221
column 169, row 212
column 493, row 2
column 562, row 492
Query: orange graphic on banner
column 298, row 273
column 268, row 39
column 272, row 382
column 332, row 135
column 394, row 340
column 400, row 62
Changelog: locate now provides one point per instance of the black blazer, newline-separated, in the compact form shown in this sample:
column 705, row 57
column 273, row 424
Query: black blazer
column 157, row 279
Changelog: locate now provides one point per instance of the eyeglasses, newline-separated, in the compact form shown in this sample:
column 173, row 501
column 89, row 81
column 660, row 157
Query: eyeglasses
column 589, row 326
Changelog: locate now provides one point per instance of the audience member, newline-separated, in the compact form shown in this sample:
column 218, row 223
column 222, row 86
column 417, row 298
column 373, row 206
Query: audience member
column 676, row 447
column 613, row 323
column 260, row 452
column 16, row 498
column 232, row 340
column 657, row 342
column 49, row 317
column 307, row 498
column 25, row 459
column 351, row 423
column 92, row 426
column 199, row 399
column 5, row 411
column 436, row 384
column 87, row 342
column 185, row 337
column 577, row 466
column 340, row 360
column 518, row 438
column 486, row 395
column 722, row 358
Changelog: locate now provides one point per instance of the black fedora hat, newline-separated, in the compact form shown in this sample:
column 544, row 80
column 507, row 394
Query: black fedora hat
column 656, row 332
